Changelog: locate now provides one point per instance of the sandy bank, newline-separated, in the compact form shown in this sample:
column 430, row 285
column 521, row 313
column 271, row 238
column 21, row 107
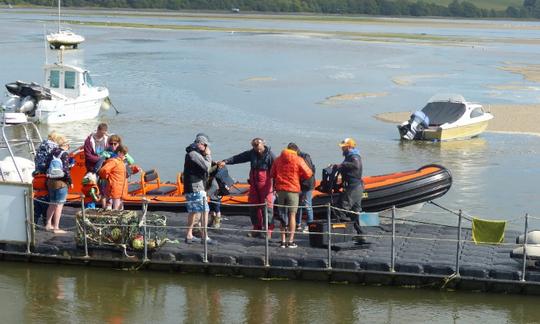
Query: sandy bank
column 340, row 98
column 522, row 119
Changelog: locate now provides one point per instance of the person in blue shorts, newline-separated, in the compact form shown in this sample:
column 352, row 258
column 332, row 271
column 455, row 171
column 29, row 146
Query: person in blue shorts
column 197, row 164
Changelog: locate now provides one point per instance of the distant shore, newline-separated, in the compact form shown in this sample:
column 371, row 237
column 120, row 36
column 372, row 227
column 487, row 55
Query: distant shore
column 516, row 119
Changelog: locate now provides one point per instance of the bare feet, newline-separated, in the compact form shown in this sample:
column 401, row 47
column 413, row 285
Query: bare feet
column 59, row 231
column 49, row 228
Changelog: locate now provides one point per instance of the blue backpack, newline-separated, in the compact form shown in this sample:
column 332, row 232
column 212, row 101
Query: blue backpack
column 56, row 167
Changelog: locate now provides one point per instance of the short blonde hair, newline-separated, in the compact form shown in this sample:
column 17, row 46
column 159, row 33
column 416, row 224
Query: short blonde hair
column 53, row 136
column 61, row 140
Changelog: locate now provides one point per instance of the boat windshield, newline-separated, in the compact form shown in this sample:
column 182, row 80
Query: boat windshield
column 443, row 112
column 88, row 80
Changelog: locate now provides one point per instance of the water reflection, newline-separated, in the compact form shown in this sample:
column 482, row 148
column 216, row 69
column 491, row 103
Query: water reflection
column 47, row 293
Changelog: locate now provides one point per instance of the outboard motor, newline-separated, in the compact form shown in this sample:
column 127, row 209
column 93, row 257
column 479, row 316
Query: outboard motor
column 414, row 127
column 27, row 105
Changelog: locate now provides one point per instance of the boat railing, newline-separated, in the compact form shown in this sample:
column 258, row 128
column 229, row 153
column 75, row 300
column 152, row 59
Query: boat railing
column 391, row 220
column 30, row 139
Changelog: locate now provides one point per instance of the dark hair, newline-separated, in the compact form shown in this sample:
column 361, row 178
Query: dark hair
column 103, row 127
column 115, row 138
column 293, row 146
column 257, row 141
column 121, row 149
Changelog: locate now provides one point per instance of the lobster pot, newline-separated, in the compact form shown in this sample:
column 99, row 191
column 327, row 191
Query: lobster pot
column 119, row 227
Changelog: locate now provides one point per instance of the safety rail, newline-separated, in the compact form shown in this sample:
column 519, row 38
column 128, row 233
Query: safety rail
column 393, row 237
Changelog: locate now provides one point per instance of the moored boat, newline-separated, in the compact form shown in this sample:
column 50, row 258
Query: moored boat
column 63, row 37
column 446, row 117
column 67, row 95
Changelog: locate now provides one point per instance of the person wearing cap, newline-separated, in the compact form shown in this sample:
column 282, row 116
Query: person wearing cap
column 261, row 159
column 353, row 187
column 198, row 161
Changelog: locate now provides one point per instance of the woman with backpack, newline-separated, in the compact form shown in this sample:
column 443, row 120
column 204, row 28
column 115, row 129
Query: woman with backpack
column 58, row 182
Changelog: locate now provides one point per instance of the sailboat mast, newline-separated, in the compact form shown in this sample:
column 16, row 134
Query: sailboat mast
column 59, row 15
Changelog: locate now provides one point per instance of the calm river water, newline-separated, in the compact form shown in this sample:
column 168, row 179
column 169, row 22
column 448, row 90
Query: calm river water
column 171, row 84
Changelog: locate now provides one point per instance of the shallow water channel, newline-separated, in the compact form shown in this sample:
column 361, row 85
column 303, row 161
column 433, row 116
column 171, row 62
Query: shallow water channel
column 236, row 85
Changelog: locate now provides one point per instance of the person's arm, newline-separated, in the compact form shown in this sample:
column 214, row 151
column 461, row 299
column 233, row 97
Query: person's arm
column 305, row 171
column 93, row 194
column 129, row 159
column 273, row 171
column 239, row 158
column 203, row 162
column 64, row 156
column 351, row 165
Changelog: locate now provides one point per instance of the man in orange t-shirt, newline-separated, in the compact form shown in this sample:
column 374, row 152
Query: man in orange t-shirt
column 287, row 171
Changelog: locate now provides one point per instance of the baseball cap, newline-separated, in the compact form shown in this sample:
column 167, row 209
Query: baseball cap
column 347, row 142
column 201, row 139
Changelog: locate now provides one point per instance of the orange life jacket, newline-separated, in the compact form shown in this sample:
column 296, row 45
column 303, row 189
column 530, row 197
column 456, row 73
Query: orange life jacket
column 86, row 188
column 39, row 184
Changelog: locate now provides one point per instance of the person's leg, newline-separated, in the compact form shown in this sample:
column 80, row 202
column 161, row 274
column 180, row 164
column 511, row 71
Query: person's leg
column 192, row 218
column 282, row 216
column 56, row 217
column 356, row 200
column 292, row 201
column 116, row 203
column 308, row 202
column 50, row 213
column 252, row 199
column 300, row 210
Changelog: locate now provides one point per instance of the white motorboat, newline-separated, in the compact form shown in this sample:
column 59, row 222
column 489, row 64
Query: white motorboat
column 446, row 117
column 63, row 37
column 68, row 94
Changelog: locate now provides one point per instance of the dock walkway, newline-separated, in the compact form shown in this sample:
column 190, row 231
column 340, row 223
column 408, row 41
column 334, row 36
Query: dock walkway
column 425, row 256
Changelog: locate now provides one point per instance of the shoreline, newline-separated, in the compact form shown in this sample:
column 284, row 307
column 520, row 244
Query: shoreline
column 508, row 119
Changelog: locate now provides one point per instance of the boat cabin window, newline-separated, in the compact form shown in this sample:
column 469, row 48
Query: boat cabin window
column 477, row 112
column 69, row 80
column 87, row 79
column 54, row 79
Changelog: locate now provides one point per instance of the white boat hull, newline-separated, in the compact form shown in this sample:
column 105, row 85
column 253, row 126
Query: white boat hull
column 59, row 111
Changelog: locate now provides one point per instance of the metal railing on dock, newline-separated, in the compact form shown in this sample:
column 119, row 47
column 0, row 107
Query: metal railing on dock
column 392, row 236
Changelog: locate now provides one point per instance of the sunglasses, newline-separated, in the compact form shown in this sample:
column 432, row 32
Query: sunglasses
column 114, row 143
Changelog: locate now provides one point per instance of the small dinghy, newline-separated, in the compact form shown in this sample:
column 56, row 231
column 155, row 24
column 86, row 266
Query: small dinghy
column 532, row 248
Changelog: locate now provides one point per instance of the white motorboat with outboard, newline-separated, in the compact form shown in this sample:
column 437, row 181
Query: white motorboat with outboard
column 446, row 117
column 67, row 95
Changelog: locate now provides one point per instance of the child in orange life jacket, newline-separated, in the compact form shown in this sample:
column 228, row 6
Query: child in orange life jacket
column 90, row 190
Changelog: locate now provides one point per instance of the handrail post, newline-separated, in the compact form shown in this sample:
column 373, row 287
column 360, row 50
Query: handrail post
column 83, row 210
column 458, row 245
column 204, row 235
column 329, row 234
column 267, row 237
column 393, row 256
column 28, row 222
column 525, row 247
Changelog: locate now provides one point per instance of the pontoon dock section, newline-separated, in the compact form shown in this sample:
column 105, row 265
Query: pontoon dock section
column 399, row 253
